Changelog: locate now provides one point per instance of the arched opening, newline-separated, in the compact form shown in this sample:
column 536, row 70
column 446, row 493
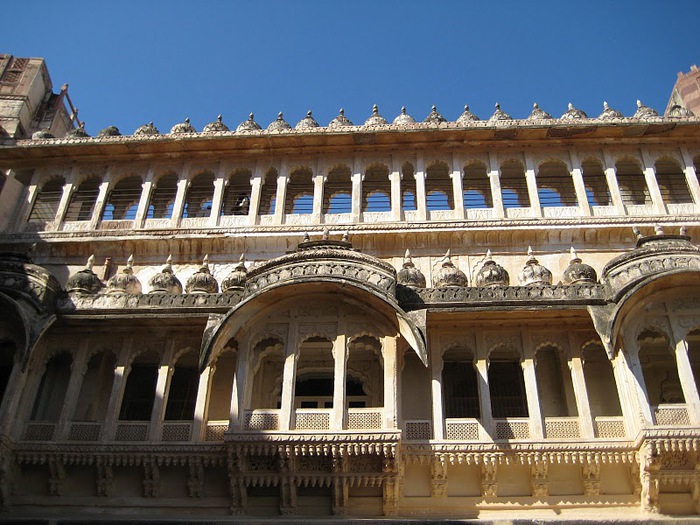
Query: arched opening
column 221, row 388
column 416, row 404
column 337, row 191
column 237, row 194
column 47, row 200
column 514, row 185
column 659, row 368
column 52, row 389
column 182, row 393
column 672, row 182
column 600, row 381
column 555, row 187
column 123, row 200
column 314, row 379
column 556, row 391
column 8, row 350
column 438, row 187
column 597, row 190
column 476, row 187
column 408, row 187
column 633, row 186
column 96, row 388
column 267, row 379
column 506, row 384
column 376, row 189
column 163, row 197
column 460, row 386
column 140, row 389
column 300, row 192
column 365, row 373
column 199, row 196
column 268, row 193
column 83, row 200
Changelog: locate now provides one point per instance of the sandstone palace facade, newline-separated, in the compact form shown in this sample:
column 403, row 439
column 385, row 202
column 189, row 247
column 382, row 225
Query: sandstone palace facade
column 478, row 318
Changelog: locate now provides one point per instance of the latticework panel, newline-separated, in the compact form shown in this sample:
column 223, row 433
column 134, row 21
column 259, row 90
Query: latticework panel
column 262, row 421
column 610, row 427
column 177, row 431
column 364, row 420
column 512, row 429
column 39, row 431
column 672, row 415
column 131, row 432
column 313, row 421
column 462, row 430
column 84, row 432
column 417, row 430
column 215, row 432
column 562, row 428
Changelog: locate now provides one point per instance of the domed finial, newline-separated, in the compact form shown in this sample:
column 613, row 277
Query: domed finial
column 169, row 263
column 279, row 116
column 308, row 113
column 684, row 231
column 407, row 256
column 639, row 103
column 535, row 106
column 433, row 108
column 341, row 112
column 375, row 110
column 346, row 236
column 529, row 252
column 150, row 123
column 219, row 118
column 187, row 120
column 570, row 106
column 605, row 105
column 636, row 232
column 403, row 110
column 466, row 107
column 205, row 261
column 658, row 230
column 326, row 234
column 90, row 262
column 251, row 117
column 488, row 255
column 241, row 259
column 573, row 254
column 498, row 106
column 306, row 237
column 448, row 255
column 130, row 261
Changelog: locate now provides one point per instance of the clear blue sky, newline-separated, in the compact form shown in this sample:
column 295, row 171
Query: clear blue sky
column 130, row 62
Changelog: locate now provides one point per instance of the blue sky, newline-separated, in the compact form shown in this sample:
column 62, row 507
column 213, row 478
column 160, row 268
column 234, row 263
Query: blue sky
column 131, row 62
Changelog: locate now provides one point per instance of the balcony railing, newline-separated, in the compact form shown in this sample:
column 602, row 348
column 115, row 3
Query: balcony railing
column 365, row 418
column 562, row 428
column 132, row 431
column 512, row 428
column 417, row 430
column 177, row 430
column 610, row 427
column 312, row 419
column 262, row 419
column 671, row 415
column 463, row 429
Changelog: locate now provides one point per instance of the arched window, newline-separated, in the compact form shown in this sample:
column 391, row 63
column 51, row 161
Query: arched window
column 182, row 394
column 408, row 187
column 268, row 193
column 52, row 389
column 267, row 382
column 597, row 190
column 237, row 194
column 438, row 187
column 376, row 189
column 123, row 200
column 83, row 200
column 300, row 192
column 163, row 197
column 314, row 381
column 337, row 191
column 476, row 187
column 365, row 373
column 221, row 388
column 633, row 186
column 600, row 381
column 506, row 384
column 555, row 187
column 659, row 368
column 554, row 385
column 47, row 201
column 96, row 388
column 514, row 185
column 199, row 196
column 672, row 182
column 140, row 389
column 415, row 388
column 460, row 387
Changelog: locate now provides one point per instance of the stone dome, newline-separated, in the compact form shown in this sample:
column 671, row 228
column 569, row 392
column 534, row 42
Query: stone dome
column 434, row 117
column 578, row 272
column 279, row 124
column 236, row 279
column 215, row 126
column 307, row 122
column 147, row 129
column 249, row 125
column 499, row 114
column 375, row 119
column 403, row 118
column 644, row 112
column 491, row 273
column 165, row 281
column 409, row 275
column 340, row 121
column 609, row 113
column 109, row 131
column 78, row 132
column 202, row 281
column 449, row 275
column 85, row 281
column 573, row 114
column 125, row 281
column 466, row 117
column 677, row 111
column 538, row 113
column 182, row 128
column 42, row 134
column 534, row 273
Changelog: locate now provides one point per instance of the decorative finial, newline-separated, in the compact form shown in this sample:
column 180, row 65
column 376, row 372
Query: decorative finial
column 684, row 231
column 407, row 255
column 169, row 262
column 658, row 230
column 530, row 254
column 570, row 106
column 403, row 110
column 130, row 261
column 250, row 117
column 448, row 255
column 605, row 105
column 341, row 112
column 187, row 120
column 306, row 237
column 279, row 116
column 498, row 106
column 326, row 234
column 308, row 113
column 636, row 232
column 535, row 106
column 219, row 118
column 150, row 123
column 375, row 110
column 433, row 108
column 639, row 103
column 573, row 253
column 466, row 107
column 346, row 236
column 205, row 261
column 488, row 255
column 241, row 259
column 90, row 262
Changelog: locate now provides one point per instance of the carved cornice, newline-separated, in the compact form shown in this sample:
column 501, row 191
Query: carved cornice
column 146, row 304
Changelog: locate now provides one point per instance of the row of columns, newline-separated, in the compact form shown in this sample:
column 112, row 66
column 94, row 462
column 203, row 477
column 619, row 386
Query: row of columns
column 395, row 177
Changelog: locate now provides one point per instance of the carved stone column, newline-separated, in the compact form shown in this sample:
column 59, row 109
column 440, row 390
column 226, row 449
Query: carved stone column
column 633, row 417
column 578, row 379
column 494, row 175
column 640, row 389
column 436, row 366
column 201, row 406
column 144, row 200
column 356, row 199
column 489, row 480
column 438, row 476
column 691, row 175
column 421, row 201
column 340, row 356
column 579, row 185
column 319, row 181
column 256, row 184
column 287, row 412
column 341, row 486
column 238, row 391
column 654, row 191
column 482, row 368
column 218, row 197
column 121, row 371
column 281, row 197
column 179, row 204
column 101, row 201
column 16, row 384
column 685, row 372
column 396, row 197
column 613, row 185
column 539, row 478
column 63, row 204
column 457, row 188
column 531, row 181
column 78, row 369
column 165, row 374
column 390, row 353
column 532, row 394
